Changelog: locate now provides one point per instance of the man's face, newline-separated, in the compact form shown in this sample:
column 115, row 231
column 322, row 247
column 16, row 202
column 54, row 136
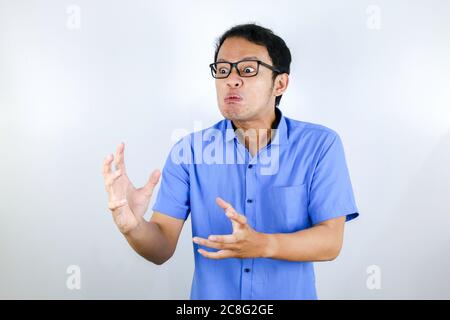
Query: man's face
column 257, row 93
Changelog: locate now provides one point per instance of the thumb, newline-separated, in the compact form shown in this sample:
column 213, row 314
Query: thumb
column 152, row 182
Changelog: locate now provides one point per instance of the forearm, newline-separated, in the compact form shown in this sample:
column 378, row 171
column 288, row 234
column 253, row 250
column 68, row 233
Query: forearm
column 318, row 243
column 150, row 242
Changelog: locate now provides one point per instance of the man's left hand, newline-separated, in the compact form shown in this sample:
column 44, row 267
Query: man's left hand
column 243, row 243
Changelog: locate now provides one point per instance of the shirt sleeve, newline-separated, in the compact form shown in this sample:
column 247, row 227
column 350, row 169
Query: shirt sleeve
column 331, row 192
column 174, row 192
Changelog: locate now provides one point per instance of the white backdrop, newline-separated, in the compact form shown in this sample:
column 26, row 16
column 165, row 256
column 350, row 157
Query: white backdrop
column 78, row 77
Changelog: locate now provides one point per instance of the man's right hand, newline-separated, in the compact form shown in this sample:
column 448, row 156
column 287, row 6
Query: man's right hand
column 127, row 204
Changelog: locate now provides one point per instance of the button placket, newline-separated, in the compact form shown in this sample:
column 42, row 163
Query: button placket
column 250, row 184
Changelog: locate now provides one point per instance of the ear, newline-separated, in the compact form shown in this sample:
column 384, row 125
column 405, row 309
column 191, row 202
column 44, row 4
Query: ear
column 281, row 84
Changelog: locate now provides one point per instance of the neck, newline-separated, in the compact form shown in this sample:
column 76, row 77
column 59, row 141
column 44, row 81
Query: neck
column 255, row 134
column 264, row 121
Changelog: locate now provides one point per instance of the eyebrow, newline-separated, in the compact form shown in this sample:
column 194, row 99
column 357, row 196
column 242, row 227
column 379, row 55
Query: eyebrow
column 245, row 58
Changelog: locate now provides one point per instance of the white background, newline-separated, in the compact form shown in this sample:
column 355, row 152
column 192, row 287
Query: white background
column 136, row 71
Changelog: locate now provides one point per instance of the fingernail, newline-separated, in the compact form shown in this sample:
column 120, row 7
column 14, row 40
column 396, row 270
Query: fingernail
column 212, row 238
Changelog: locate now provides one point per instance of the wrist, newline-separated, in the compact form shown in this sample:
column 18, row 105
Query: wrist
column 269, row 245
column 136, row 230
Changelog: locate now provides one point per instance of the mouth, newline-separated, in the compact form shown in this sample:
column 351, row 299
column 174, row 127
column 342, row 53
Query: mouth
column 233, row 98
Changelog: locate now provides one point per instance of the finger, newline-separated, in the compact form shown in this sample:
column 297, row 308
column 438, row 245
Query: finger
column 223, row 204
column 222, row 254
column 229, row 238
column 113, row 177
column 107, row 165
column 226, row 206
column 152, row 182
column 120, row 155
column 114, row 204
column 242, row 220
column 212, row 244
column 237, row 220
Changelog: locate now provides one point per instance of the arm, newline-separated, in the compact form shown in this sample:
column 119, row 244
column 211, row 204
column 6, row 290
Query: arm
column 156, row 240
column 322, row 242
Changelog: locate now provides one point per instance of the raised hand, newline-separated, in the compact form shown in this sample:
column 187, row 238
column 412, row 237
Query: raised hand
column 127, row 203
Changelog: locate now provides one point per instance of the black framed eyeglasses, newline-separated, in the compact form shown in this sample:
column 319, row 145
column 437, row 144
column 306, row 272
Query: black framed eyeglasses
column 244, row 68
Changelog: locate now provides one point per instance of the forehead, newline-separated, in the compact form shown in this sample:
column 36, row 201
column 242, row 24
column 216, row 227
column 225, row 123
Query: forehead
column 234, row 49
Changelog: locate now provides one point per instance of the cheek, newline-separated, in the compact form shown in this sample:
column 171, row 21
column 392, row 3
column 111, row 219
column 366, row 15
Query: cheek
column 259, row 89
column 220, row 88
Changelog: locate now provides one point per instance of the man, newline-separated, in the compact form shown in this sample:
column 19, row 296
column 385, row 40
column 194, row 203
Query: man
column 271, row 198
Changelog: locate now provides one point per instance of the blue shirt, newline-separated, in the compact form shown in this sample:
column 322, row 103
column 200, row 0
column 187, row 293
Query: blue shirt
column 299, row 179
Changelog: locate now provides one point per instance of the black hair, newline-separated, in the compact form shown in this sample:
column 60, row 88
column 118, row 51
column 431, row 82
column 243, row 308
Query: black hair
column 276, row 47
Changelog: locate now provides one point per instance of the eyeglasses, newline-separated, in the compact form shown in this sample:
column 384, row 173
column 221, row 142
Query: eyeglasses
column 244, row 68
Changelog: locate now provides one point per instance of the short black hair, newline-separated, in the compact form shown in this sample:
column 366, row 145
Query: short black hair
column 276, row 47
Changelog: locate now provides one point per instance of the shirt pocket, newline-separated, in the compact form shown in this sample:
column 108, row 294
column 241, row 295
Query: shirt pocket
column 291, row 204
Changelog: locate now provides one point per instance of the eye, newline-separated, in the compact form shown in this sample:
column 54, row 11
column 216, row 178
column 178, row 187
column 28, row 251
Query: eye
column 223, row 70
column 249, row 70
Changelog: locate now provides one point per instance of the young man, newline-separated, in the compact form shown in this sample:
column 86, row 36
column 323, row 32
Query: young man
column 268, row 195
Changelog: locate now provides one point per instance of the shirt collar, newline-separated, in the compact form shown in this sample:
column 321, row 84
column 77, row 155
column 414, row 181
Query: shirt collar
column 281, row 134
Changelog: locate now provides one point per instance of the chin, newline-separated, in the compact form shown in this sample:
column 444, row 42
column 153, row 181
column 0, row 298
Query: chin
column 234, row 111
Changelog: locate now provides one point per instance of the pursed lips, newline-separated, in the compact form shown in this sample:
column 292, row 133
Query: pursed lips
column 232, row 98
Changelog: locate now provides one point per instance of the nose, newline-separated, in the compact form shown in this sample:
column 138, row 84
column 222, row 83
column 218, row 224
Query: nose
column 234, row 80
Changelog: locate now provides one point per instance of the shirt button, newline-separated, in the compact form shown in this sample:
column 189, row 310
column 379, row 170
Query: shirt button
column 249, row 200
column 247, row 270
column 250, row 166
